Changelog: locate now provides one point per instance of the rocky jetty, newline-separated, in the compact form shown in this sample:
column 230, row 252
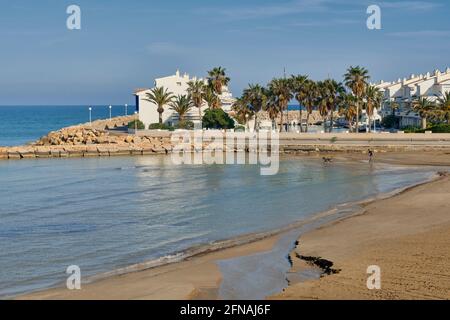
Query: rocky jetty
column 91, row 139
column 97, row 132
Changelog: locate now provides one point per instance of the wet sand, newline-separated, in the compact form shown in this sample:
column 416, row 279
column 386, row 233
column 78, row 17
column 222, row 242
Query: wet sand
column 196, row 278
column 406, row 235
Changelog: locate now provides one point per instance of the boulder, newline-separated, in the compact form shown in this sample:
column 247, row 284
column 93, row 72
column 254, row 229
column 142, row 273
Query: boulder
column 14, row 155
column 27, row 153
column 103, row 151
column 119, row 151
column 101, row 140
column 159, row 150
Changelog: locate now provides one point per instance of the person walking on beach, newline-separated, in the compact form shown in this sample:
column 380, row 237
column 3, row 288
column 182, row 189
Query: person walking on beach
column 370, row 152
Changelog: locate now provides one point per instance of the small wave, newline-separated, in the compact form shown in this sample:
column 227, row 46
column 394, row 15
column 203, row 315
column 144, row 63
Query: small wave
column 126, row 168
column 167, row 259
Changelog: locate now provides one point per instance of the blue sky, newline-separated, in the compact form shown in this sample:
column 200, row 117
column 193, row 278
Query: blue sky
column 126, row 44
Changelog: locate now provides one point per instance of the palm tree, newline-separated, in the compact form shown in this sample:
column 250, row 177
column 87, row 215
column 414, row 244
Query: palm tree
column 334, row 90
column 217, row 79
column 310, row 99
column 321, row 101
column 394, row 105
column 373, row 99
column 357, row 79
column 299, row 89
column 443, row 103
column 281, row 89
column 211, row 98
column 241, row 110
column 328, row 99
column 272, row 107
column 423, row 107
column 182, row 105
column 196, row 90
column 160, row 97
column 256, row 97
column 347, row 108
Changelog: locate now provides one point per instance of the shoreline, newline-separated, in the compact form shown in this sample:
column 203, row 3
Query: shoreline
column 412, row 256
column 208, row 255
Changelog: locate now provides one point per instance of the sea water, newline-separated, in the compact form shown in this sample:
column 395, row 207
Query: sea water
column 23, row 124
column 107, row 213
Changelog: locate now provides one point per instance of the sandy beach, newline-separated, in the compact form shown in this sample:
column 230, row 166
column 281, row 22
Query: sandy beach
column 406, row 235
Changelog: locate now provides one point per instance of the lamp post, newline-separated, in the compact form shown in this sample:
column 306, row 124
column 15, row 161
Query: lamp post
column 126, row 109
column 90, row 115
column 110, row 115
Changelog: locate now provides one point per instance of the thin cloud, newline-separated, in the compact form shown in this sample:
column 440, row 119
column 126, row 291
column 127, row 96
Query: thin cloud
column 410, row 5
column 306, row 6
column 265, row 11
column 327, row 23
column 421, row 33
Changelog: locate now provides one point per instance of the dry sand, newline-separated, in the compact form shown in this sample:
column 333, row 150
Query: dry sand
column 407, row 235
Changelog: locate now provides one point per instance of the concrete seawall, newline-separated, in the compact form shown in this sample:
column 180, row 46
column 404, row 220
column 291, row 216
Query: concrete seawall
column 158, row 142
column 364, row 141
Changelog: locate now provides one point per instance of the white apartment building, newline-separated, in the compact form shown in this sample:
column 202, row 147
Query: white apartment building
column 177, row 84
column 406, row 91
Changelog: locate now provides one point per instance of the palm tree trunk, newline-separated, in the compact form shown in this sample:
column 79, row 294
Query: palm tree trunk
column 300, row 120
column 424, row 122
column 307, row 121
column 256, row 121
column 331, row 121
column 370, row 124
column 160, row 118
column 287, row 120
column 281, row 121
column 357, row 117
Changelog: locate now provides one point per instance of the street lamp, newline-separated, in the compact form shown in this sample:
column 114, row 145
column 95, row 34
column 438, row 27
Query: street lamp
column 90, row 115
column 110, row 115
column 126, row 109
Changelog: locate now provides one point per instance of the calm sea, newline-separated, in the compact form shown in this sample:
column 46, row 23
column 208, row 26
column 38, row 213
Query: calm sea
column 106, row 213
column 23, row 124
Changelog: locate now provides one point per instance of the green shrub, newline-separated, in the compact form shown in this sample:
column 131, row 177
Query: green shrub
column 391, row 121
column 239, row 128
column 412, row 129
column 136, row 123
column 217, row 119
column 156, row 126
column 188, row 125
column 440, row 128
